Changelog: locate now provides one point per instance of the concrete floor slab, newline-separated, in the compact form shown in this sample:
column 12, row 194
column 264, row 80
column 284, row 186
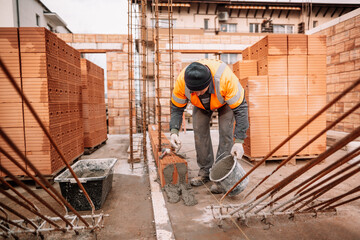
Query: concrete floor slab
column 197, row 223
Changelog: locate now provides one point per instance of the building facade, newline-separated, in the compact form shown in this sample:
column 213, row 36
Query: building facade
column 30, row 13
column 245, row 18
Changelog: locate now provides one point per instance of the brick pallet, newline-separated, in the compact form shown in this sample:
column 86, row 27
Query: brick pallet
column 167, row 159
column 290, row 86
column 50, row 79
column 93, row 104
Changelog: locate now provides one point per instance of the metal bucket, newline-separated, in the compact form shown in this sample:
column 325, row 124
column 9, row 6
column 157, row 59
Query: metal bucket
column 228, row 171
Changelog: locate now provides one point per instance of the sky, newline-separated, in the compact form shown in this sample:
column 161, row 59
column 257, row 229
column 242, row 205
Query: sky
column 92, row 16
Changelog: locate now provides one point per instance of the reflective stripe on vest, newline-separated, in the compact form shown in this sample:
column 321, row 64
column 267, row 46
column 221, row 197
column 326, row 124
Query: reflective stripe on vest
column 179, row 100
column 235, row 98
column 217, row 78
column 187, row 93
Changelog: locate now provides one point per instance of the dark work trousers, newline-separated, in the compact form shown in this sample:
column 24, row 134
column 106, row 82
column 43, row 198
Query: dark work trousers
column 203, row 145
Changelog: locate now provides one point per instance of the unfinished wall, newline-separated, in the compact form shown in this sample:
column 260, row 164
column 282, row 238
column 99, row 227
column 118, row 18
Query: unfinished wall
column 343, row 68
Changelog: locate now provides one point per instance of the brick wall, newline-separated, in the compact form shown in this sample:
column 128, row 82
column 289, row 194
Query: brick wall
column 343, row 68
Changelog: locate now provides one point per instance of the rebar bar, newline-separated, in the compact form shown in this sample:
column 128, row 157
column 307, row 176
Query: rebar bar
column 277, row 187
column 321, row 111
column 31, row 176
column 342, row 203
column 130, row 75
column 332, row 200
column 158, row 72
column 37, row 172
column 305, row 145
column 5, row 183
column 12, row 198
column 36, row 116
column 327, row 187
column 21, row 184
column 18, row 214
column 12, row 223
column 144, row 76
column 327, row 170
column 330, row 168
column 303, row 195
column 171, row 52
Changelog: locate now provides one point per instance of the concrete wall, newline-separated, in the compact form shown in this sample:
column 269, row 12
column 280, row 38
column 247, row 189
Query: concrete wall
column 343, row 67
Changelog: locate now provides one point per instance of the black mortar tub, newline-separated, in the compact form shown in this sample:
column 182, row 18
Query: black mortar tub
column 96, row 175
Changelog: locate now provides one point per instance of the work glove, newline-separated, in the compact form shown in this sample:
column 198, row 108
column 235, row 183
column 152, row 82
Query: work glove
column 237, row 150
column 175, row 141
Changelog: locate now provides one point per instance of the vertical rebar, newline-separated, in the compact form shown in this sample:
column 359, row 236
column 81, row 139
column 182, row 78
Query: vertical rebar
column 171, row 52
column 144, row 76
column 157, row 59
column 130, row 74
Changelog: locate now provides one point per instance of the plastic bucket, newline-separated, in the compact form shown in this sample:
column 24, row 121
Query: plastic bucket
column 227, row 171
column 96, row 175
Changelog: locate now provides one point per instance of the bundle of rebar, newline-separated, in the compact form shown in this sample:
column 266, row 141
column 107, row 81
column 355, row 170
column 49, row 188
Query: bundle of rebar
column 21, row 206
column 303, row 197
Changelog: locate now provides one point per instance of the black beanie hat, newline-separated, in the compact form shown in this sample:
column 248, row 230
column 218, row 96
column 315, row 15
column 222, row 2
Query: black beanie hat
column 197, row 76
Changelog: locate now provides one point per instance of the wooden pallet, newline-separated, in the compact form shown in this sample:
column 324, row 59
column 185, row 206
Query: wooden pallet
column 90, row 150
column 293, row 161
column 49, row 177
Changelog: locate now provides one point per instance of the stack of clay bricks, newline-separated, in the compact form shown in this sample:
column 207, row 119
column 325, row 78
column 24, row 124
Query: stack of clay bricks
column 93, row 103
column 167, row 159
column 289, row 88
column 343, row 68
column 50, row 78
column 11, row 113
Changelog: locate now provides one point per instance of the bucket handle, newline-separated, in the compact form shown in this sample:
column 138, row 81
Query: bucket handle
column 219, row 156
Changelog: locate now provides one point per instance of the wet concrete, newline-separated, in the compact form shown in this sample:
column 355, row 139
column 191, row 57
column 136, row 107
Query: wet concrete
column 187, row 196
column 175, row 191
column 221, row 168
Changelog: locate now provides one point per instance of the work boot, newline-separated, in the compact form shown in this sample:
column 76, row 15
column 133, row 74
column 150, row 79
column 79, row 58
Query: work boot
column 199, row 180
column 216, row 188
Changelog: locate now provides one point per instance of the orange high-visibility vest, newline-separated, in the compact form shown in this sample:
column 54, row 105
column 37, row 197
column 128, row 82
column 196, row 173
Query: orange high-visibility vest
column 227, row 87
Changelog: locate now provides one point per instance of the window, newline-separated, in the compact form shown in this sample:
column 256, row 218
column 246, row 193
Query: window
column 228, row 27
column 206, row 55
column 229, row 58
column 37, row 20
column 315, row 24
column 254, row 27
column 283, row 28
column 206, row 24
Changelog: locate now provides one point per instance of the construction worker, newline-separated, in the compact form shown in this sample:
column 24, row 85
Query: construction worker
column 210, row 85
